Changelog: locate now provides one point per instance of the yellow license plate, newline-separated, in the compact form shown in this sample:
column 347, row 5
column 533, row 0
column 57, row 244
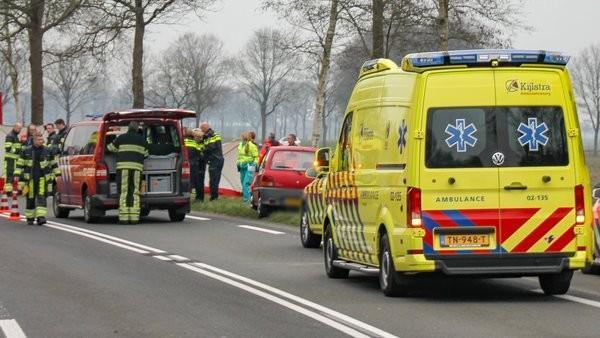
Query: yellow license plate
column 293, row 202
column 465, row 241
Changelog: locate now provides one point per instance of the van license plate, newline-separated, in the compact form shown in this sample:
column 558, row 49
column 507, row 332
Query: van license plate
column 465, row 241
column 113, row 188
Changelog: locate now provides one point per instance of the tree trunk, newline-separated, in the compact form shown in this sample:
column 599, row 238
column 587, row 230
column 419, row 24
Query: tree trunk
column 596, row 132
column 324, row 127
column 263, row 120
column 378, row 40
column 137, row 69
column 324, row 73
column 443, row 28
column 36, row 34
column 14, row 75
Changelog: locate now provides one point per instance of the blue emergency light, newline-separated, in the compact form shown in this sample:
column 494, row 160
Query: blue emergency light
column 483, row 57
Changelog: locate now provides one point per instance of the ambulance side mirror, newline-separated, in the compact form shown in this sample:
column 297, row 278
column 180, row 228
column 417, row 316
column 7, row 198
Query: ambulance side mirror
column 596, row 193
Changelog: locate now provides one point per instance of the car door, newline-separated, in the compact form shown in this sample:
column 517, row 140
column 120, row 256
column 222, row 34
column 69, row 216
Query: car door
column 82, row 162
column 537, row 177
column 65, row 182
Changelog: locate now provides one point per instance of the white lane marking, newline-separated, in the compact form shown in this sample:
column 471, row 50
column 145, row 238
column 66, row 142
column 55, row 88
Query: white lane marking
column 311, row 314
column 318, row 307
column 250, row 227
column 198, row 218
column 11, row 328
column 575, row 299
column 99, row 234
column 337, row 315
column 163, row 258
column 179, row 258
column 98, row 238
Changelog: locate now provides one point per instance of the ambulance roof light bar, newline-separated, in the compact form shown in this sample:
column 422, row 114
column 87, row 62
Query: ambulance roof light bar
column 418, row 62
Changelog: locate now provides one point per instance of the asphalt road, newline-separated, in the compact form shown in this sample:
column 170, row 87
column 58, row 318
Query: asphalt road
column 209, row 277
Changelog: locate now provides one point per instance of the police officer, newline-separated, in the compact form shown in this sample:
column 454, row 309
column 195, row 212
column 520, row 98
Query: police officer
column 194, row 154
column 131, row 150
column 35, row 168
column 12, row 151
column 213, row 157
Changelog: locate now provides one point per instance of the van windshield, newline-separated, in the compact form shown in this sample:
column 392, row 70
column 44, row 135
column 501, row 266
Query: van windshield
column 469, row 137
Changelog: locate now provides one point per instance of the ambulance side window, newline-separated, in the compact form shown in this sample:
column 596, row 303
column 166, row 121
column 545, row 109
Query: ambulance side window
column 345, row 143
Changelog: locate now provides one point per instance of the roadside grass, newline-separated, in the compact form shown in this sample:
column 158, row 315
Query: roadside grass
column 234, row 206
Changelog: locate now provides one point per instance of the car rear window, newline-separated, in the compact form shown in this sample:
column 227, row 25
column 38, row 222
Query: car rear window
column 469, row 137
column 292, row 160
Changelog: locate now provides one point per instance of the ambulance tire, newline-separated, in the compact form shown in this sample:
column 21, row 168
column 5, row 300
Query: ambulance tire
column 556, row 284
column 90, row 214
column 307, row 237
column 591, row 269
column 56, row 209
column 330, row 255
column 390, row 281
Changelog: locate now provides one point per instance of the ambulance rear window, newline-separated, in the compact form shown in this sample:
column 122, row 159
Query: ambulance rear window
column 472, row 137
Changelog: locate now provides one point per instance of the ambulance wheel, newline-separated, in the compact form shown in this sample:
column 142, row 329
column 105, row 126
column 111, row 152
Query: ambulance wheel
column 307, row 237
column 262, row 209
column 556, row 284
column 56, row 209
column 176, row 216
column 90, row 214
column 390, row 281
column 591, row 269
column 330, row 255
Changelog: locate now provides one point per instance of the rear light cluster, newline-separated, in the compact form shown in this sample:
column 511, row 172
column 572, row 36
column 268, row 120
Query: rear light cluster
column 101, row 172
column 414, row 208
column 267, row 181
column 185, row 170
column 579, row 205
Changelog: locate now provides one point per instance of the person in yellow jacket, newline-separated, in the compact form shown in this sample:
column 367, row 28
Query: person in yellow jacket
column 246, row 164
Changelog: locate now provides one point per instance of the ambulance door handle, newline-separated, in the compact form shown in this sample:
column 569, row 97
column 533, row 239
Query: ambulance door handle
column 515, row 186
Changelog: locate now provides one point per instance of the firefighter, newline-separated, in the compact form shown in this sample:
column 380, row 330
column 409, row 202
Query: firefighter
column 35, row 169
column 59, row 138
column 12, row 151
column 193, row 149
column 131, row 149
column 213, row 157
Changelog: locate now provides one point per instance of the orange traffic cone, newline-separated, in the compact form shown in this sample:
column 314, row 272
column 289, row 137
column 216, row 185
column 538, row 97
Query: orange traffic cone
column 3, row 198
column 14, row 210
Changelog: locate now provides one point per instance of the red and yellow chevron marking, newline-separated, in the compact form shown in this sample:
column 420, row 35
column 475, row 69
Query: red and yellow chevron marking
column 546, row 231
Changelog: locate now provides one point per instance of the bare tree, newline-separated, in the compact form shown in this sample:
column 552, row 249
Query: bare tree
column 12, row 55
column 122, row 15
column 72, row 82
column 319, row 19
column 377, row 26
column 36, row 18
column 586, row 79
column 263, row 68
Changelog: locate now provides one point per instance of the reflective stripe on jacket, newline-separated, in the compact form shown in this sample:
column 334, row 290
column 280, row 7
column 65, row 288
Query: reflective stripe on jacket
column 131, row 150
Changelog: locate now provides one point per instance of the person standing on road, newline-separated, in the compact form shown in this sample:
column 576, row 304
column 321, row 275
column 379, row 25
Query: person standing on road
column 59, row 138
column 246, row 163
column 35, row 169
column 50, row 133
column 12, row 151
column 213, row 157
column 31, row 130
column 270, row 142
column 193, row 150
column 131, row 149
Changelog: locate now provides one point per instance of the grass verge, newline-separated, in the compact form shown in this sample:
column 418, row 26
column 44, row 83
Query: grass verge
column 236, row 207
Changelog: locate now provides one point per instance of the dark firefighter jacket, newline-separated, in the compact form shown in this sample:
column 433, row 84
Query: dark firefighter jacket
column 131, row 149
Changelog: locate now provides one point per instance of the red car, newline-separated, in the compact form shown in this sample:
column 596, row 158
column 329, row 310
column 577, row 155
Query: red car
column 88, row 179
column 281, row 178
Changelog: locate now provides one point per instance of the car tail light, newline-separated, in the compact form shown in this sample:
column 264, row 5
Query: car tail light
column 185, row 170
column 414, row 208
column 267, row 181
column 101, row 172
column 579, row 205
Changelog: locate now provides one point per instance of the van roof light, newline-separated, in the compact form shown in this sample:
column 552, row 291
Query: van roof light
column 376, row 65
column 418, row 62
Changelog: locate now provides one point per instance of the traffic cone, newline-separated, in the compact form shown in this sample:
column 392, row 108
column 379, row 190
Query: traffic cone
column 14, row 210
column 3, row 198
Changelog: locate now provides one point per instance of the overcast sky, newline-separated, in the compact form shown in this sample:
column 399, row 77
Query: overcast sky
column 563, row 25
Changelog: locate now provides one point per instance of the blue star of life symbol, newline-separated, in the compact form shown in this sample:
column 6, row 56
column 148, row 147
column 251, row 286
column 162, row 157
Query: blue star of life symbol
column 533, row 134
column 461, row 135
column 403, row 130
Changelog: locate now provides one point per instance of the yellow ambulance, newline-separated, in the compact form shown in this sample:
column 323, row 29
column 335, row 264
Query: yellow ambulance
column 461, row 162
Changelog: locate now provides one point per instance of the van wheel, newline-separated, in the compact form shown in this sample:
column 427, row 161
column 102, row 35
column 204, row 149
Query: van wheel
column 330, row 255
column 176, row 216
column 262, row 209
column 307, row 237
column 556, row 284
column 56, row 209
column 390, row 281
column 89, row 212
column 144, row 212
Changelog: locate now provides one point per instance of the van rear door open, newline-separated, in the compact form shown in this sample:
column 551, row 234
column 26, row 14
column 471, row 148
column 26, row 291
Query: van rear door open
column 537, row 178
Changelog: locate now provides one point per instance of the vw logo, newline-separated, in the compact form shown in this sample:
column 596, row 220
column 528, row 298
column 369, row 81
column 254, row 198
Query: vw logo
column 498, row 158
